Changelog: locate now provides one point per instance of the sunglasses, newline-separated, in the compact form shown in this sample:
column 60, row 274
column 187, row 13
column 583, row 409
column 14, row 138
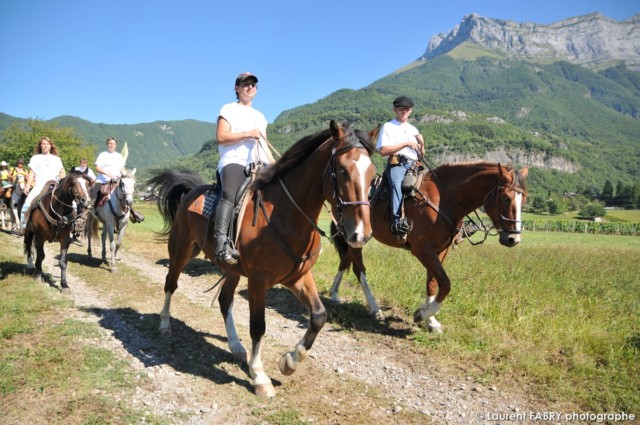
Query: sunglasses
column 249, row 85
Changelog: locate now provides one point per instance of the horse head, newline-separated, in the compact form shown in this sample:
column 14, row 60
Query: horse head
column 127, row 187
column 78, row 185
column 351, row 173
column 504, row 204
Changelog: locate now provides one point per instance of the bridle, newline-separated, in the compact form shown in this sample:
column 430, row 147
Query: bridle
column 66, row 219
column 340, row 203
column 120, row 195
column 495, row 192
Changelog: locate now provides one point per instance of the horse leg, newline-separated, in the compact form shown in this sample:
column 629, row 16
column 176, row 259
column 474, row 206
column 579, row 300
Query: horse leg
column 39, row 257
column 345, row 263
column 257, row 327
column 227, row 293
column 64, row 247
column 360, row 271
column 105, row 232
column 437, row 280
column 181, row 250
column 305, row 290
column 89, row 230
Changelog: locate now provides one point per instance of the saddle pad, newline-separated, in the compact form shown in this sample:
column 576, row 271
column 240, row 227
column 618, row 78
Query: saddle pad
column 204, row 204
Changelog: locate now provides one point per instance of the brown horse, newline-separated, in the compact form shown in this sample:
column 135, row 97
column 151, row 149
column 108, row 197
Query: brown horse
column 50, row 218
column 446, row 195
column 279, row 240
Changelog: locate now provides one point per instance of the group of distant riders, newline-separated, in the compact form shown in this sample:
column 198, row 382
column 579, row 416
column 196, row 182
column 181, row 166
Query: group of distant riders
column 45, row 165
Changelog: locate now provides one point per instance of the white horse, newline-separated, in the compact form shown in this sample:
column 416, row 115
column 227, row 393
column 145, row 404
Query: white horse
column 5, row 207
column 17, row 200
column 114, row 216
column 10, row 204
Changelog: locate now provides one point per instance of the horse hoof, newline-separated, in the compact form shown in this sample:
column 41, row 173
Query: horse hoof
column 417, row 316
column 165, row 332
column 241, row 357
column 379, row 317
column 265, row 390
column 66, row 291
column 286, row 364
column 435, row 329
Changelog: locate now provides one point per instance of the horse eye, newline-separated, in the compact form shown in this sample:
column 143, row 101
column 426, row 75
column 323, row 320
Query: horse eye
column 506, row 199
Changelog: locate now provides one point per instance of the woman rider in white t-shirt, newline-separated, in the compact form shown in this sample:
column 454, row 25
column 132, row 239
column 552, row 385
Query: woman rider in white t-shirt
column 44, row 165
column 241, row 135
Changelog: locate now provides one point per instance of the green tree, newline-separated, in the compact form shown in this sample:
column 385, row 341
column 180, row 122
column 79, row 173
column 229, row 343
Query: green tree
column 594, row 209
column 538, row 204
column 607, row 192
column 20, row 139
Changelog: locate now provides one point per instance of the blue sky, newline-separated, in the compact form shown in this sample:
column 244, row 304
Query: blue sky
column 134, row 61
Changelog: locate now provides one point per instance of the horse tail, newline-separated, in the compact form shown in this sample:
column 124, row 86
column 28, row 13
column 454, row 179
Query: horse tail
column 29, row 236
column 170, row 186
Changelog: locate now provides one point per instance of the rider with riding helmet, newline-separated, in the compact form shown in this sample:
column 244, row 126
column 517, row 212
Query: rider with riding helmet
column 403, row 145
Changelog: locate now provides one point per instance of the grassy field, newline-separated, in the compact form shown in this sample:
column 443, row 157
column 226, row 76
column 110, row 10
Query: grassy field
column 47, row 368
column 556, row 315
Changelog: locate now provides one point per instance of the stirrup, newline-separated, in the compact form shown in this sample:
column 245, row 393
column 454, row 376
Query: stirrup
column 227, row 256
column 402, row 226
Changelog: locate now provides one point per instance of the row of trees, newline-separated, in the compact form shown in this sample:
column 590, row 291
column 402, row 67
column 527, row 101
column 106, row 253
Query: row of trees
column 590, row 202
column 20, row 140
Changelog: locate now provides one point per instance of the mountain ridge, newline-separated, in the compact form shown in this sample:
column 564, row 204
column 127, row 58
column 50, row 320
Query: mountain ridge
column 592, row 40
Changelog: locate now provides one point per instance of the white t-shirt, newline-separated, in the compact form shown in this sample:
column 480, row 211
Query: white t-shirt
column 395, row 132
column 111, row 162
column 45, row 168
column 242, row 118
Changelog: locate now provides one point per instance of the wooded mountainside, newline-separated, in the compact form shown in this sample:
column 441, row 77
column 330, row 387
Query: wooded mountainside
column 575, row 126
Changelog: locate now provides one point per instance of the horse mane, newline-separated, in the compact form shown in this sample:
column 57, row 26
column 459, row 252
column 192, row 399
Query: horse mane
column 304, row 147
column 73, row 176
column 518, row 181
column 129, row 174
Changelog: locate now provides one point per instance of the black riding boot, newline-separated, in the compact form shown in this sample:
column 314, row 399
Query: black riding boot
column 135, row 216
column 224, row 252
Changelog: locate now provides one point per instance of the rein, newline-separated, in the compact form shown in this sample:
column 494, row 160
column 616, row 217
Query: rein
column 62, row 220
column 470, row 221
column 124, row 208
column 329, row 170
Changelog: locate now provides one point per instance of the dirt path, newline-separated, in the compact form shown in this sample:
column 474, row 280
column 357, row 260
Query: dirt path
column 351, row 377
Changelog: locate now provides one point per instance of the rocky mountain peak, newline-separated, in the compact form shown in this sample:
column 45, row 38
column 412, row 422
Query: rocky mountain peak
column 592, row 40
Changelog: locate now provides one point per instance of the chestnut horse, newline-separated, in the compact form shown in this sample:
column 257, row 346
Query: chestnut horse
column 50, row 218
column 279, row 240
column 446, row 195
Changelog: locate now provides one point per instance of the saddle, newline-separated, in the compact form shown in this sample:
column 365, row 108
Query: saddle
column 206, row 204
column 105, row 192
column 380, row 188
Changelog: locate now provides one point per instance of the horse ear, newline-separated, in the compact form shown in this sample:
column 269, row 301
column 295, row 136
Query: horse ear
column 133, row 172
column 524, row 172
column 336, row 131
column 374, row 133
